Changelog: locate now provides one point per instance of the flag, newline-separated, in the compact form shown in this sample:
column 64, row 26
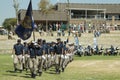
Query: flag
column 25, row 28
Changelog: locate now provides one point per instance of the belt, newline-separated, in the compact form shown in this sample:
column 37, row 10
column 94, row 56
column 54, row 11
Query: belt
column 18, row 54
column 32, row 57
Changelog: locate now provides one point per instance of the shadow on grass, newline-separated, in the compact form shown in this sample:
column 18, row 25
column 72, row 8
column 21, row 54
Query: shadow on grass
column 26, row 76
column 51, row 71
column 9, row 74
column 10, row 71
column 14, row 74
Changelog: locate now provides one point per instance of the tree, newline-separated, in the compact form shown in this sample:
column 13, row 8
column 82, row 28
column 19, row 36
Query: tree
column 45, row 7
column 16, row 7
column 9, row 23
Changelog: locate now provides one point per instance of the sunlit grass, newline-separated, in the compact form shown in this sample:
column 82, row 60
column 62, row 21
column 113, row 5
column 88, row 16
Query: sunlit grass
column 82, row 68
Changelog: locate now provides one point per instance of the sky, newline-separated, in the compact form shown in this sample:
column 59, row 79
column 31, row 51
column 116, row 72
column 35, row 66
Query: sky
column 7, row 10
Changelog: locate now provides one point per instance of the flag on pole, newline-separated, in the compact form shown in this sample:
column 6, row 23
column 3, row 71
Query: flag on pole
column 25, row 28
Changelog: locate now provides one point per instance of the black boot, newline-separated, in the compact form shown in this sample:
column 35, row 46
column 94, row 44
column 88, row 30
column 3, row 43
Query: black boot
column 20, row 71
column 59, row 71
column 56, row 71
column 31, row 75
column 34, row 75
column 40, row 73
column 15, row 70
column 62, row 69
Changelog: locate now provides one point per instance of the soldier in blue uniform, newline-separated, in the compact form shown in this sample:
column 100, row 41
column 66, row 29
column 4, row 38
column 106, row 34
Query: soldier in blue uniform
column 63, row 56
column 17, row 53
column 25, row 56
column 59, row 51
column 52, row 52
column 45, row 53
column 39, row 52
column 32, row 61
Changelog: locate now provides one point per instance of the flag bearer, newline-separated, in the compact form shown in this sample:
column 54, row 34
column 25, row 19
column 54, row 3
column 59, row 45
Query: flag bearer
column 32, row 61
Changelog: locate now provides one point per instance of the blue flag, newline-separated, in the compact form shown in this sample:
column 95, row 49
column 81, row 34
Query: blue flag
column 25, row 28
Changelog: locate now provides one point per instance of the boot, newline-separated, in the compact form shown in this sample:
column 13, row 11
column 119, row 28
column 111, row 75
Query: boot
column 34, row 75
column 15, row 70
column 62, row 69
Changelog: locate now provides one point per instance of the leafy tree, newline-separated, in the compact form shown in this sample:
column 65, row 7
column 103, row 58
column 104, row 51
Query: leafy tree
column 8, row 23
column 46, row 8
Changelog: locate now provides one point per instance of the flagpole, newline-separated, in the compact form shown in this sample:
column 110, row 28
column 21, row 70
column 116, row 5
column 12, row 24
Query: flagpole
column 34, row 25
column 34, row 35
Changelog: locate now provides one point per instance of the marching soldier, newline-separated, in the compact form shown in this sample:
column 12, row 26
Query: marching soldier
column 49, row 55
column 45, row 53
column 17, row 55
column 51, row 59
column 32, row 61
column 63, row 57
column 39, row 52
column 25, row 56
column 59, row 48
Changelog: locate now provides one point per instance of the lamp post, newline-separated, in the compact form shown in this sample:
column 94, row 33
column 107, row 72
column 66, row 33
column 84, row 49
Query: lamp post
column 16, row 6
column 68, row 13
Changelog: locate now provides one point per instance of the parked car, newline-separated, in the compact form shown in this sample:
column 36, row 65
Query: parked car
column 3, row 32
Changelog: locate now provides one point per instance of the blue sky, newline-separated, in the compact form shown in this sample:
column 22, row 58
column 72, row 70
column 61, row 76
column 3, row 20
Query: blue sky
column 7, row 10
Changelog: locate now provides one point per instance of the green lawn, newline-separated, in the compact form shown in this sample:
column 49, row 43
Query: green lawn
column 82, row 68
column 97, row 57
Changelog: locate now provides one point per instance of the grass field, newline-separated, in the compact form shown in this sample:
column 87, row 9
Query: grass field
column 82, row 68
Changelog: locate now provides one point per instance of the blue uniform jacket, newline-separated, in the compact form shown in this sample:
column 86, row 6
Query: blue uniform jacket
column 18, row 49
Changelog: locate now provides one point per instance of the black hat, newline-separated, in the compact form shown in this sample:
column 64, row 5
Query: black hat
column 44, row 41
column 39, row 40
column 58, row 39
column 19, row 40
column 25, row 42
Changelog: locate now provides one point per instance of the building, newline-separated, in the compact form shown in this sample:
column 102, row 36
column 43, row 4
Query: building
column 79, row 13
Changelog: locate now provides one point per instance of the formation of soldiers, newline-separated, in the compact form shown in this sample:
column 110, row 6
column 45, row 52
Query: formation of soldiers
column 41, row 55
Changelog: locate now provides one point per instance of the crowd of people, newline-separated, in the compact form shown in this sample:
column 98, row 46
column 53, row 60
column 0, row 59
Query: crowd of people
column 97, row 50
column 41, row 55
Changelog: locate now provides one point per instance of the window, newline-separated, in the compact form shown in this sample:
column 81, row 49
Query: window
column 117, row 17
column 109, row 17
